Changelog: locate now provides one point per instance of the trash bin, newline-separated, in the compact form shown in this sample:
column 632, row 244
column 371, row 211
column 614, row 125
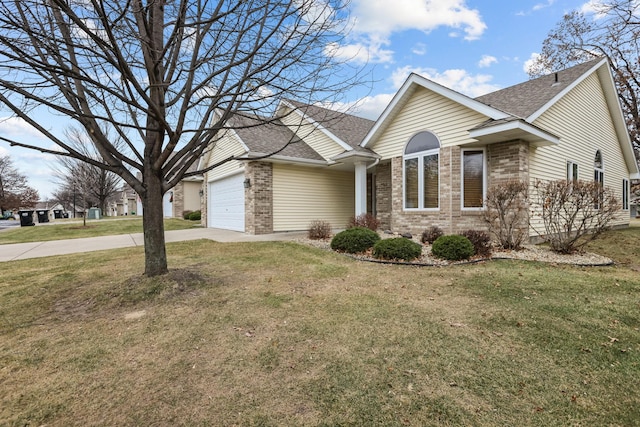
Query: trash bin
column 57, row 213
column 43, row 215
column 26, row 218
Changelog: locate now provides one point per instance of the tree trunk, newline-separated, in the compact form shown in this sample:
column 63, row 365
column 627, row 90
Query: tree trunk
column 155, row 254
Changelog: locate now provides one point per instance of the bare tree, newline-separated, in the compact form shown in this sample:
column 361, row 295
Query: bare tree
column 613, row 32
column 94, row 185
column 15, row 193
column 574, row 213
column 163, row 76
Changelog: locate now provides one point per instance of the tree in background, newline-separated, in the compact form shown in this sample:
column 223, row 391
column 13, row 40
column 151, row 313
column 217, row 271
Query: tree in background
column 89, row 185
column 15, row 193
column 165, row 77
column 612, row 32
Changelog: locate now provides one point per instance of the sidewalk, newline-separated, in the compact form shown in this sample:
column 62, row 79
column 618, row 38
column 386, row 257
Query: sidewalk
column 18, row 251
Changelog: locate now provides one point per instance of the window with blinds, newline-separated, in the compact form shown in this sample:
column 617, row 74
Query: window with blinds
column 473, row 183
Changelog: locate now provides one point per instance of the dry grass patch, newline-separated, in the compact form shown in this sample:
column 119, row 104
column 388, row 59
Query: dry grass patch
column 283, row 334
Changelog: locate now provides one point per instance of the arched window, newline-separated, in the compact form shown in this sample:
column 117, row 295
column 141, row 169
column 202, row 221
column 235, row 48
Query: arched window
column 421, row 172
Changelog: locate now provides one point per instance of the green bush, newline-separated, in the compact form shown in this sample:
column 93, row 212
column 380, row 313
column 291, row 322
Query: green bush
column 397, row 248
column 186, row 214
column 452, row 248
column 354, row 240
column 195, row 216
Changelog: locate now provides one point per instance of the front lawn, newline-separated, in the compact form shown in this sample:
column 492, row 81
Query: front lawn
column 76, row 229
column 280, row 334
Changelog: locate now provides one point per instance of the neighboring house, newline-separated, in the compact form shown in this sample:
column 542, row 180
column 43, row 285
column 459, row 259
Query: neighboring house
column 185, row 196
column 125, row 202
column 428, row 160
column 54, row 210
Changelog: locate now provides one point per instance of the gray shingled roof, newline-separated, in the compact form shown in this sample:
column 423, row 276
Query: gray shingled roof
column 349, row 128
column 265, row 136
column 524, row 99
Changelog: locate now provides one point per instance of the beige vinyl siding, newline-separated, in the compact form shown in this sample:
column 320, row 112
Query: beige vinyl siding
column 227, row 146
column 582, row 132
column 426, row 110
column 191, row 195
column 315, row 138
column 302, row 195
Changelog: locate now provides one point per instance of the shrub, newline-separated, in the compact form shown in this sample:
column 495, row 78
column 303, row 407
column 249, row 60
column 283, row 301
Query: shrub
column 364, row 220
column 354, row 240
column 480, row 240
column 574, row 212
column 506, row 213
column 319, row 230
column 397, row 248
column 195, row 216
column 186, row 214
column 431, row 234
column 452, row 248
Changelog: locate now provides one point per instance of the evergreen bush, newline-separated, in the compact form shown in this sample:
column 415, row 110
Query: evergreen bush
column 452, row 248
column 354, row 240
column 397, row 248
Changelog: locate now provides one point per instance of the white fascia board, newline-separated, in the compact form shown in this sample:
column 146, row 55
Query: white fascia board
column 253, row 155
column 515, row 125
column 566, row 90
column 321, row 128
column 408, row 88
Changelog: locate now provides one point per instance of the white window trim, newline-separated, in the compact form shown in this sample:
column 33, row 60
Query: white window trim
column 484, row 179
column 420, row 156
column 572, row 163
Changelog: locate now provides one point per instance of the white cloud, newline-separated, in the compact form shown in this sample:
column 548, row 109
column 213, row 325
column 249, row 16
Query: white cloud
column 15, row 128
column 360, row 52
column 539, row 6
column 371, row 107
column 487, row 60
column 532, row 66
column 456, row 79
column 419, row 49
column 383, row 17
column 595, row 7
column 374, row 21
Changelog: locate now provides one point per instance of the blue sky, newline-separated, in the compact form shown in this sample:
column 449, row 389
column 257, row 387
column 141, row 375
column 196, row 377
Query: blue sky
column 472, row 46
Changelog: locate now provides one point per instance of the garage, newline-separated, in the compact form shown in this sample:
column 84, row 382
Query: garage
column 226, row 203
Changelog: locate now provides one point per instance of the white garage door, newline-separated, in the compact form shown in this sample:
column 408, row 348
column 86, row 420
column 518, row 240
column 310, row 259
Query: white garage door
column 226, row 203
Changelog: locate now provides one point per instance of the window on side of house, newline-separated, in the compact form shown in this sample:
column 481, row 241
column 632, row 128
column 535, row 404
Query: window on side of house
column 473, row 179
column 598, row 174
column 572, row 171
column 625, row 194
column 421, row 170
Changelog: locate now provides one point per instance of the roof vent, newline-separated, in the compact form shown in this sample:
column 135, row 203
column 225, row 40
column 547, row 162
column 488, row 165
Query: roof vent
column 555, row 78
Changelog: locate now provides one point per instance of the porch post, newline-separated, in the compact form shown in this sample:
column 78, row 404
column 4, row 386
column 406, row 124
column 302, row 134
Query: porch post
column 361, row 188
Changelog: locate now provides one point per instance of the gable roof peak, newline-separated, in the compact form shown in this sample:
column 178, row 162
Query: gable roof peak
column 527, row 99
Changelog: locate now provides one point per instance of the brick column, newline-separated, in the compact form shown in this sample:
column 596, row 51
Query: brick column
column 259, row 198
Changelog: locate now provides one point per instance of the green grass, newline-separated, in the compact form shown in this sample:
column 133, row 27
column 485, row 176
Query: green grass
column 279, row 334
column 93, row 228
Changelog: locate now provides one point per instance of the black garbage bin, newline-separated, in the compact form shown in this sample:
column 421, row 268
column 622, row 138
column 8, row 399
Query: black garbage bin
column 26, row 218
column 57, row 213
column 43, row 215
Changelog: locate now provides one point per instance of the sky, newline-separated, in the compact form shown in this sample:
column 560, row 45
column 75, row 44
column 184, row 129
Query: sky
column 472, row 46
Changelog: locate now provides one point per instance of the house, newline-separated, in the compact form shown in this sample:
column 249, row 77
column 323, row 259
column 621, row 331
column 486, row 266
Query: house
column 185, row 196
column 428, row 160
